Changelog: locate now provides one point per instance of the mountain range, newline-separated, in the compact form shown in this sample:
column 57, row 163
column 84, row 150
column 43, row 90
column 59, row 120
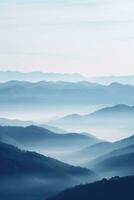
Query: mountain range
column 41, row 158
column 20, row 123
column 105, row 158
column 115, row 121
column 44, row 101
column 115, row 159
column 44, row 141
column 110, row 79
column 39, row 76
column 28, row 170
column 91, row 156
column 35, row 176
column 21, row 92
column 74, row 77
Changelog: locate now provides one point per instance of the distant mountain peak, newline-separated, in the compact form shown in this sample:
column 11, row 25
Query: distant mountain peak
column 116, row 108
column 119, row 85
column 72, row 116
column 115, row 84
column 35, row 76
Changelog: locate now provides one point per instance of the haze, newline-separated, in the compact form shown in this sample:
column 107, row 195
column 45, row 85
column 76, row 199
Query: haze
column 92, row 37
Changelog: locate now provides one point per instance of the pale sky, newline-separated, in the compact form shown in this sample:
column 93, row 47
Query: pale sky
column 92, row 37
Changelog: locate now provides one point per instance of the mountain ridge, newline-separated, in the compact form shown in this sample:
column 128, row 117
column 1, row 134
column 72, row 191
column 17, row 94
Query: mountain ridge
column 29, row 175
column 38, row 76
column 114, row 188
column 117, row 120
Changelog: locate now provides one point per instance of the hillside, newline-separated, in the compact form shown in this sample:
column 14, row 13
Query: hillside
column 114, row 111
column 115, row 188
column 22, row 123
column 15, row 161
column 93, row 154
column 114, row 164
column 44, row 141
column 31, row 170
column 116, row 120
column 115, row 159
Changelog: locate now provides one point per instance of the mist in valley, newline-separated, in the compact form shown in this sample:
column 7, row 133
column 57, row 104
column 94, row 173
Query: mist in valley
column 66, row 100
column 28, row 187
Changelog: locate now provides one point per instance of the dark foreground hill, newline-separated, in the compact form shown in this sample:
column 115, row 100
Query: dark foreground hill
column 28, row 175
column 113, row 189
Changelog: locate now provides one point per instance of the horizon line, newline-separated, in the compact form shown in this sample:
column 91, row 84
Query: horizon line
column 66, row 73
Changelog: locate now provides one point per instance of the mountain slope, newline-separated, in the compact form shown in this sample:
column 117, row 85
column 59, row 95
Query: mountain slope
column 114, row 111
column 95, row 153
column 45, row 141
column 31, row 135
column 116, row 165
column 25, row 162
column 117, row 161
column 85, row 155
column 14, row 122
column 116, row 188
column 116, row 120
column 120, row 110
column 47, row 100
column 34, row 171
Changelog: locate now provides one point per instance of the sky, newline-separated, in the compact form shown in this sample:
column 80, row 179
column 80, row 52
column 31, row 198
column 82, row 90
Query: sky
column 92, row 37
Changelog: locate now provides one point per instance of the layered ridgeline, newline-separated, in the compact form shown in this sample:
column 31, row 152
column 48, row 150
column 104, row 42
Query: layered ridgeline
column 107, row 159
column 44, row 101
column 118, row 160
column 45, row 141
column 22, row 123
column 39, row 76
column 110, row 122
column 110, row 79
column 75, row 77
column 115, row 188
column 28, row 175
column 60, row 92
